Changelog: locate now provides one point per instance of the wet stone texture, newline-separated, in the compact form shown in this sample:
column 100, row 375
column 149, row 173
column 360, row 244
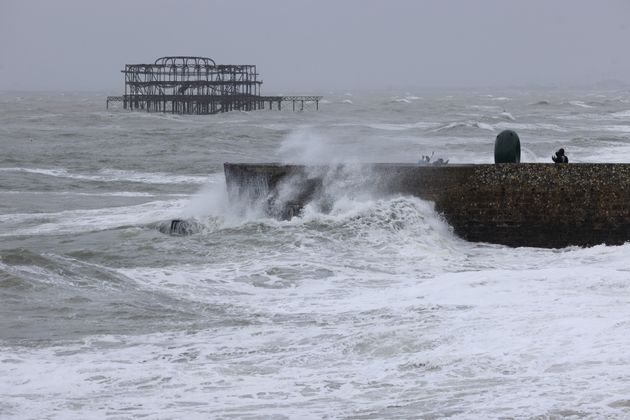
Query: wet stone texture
column 528, row 204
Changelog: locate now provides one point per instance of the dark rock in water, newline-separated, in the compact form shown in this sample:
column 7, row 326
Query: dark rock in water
column 181, row 227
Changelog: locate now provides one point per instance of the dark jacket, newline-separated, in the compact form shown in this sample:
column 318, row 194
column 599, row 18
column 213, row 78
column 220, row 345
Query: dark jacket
column 560, row 158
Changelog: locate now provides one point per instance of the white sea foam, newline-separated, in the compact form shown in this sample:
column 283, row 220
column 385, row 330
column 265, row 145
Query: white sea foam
column 526, row 126
column 506, row 115
column 114, row 175
column 34, row 273
column 358, row 223
column 588, row 117
column 521, row 334
column 484, row 107
column 618, row 128
column 464, row 125
column 392, row 126
column 78, row 221
column 407, row 99
column 376, row 294
column 621, row 114
column 580, row 104
column 404, row 126
column 99, row 194
column 362, row 306
column 159, row 116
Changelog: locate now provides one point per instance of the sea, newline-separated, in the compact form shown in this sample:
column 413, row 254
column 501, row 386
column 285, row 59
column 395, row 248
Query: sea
column 372, row 309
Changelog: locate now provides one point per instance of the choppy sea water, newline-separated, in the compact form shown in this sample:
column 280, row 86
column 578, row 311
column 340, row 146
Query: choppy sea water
column 372, row 310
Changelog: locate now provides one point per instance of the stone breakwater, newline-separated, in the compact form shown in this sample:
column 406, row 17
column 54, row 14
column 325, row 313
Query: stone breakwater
column 528, row 204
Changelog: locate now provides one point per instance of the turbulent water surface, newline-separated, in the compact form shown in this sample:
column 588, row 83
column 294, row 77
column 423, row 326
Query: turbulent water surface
column 374, row 309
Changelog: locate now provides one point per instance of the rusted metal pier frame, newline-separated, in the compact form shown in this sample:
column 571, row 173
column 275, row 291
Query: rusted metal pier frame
column 301, row 100
column 210, row 104
column 197, row 85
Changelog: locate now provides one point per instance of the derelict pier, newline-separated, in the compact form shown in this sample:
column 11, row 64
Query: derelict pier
column 197, row 85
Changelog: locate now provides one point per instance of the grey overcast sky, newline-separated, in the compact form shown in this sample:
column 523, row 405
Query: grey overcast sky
column 305, row 45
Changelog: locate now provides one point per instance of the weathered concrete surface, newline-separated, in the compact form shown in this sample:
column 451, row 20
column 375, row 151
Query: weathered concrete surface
column 528, row 204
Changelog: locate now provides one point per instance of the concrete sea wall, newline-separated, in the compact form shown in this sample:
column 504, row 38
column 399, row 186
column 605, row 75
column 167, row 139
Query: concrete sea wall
column 528, row 204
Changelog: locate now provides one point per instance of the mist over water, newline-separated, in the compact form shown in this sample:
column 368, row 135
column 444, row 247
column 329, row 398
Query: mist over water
column 362, row 306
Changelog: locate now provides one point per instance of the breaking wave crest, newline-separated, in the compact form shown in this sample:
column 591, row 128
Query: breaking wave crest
column 346, row 207
column 381, row 225
column 464, row 125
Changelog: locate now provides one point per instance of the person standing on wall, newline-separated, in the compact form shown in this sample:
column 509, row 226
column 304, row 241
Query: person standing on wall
column 560, row 157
